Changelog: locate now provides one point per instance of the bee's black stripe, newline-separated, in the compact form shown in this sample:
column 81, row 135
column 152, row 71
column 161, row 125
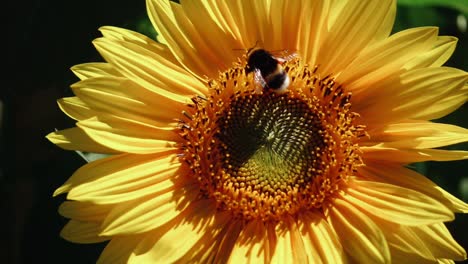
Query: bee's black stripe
column 276, row 81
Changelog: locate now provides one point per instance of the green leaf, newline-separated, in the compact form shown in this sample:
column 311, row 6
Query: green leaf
column 89, row 156
column 464, row 189
column 416, row 16
column 460, row 5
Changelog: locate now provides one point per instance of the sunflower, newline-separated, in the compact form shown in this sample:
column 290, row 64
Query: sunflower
column 206, row 167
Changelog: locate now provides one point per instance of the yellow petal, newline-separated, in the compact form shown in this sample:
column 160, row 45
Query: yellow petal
column 289, row 245
column 406, row 156
column 427, row 242
column 82, row 232
column 119, row 249
column 320, row 241
column 149, row 212
column 445, row 261
column 172, row 242
column 216, row 245
column 396, row 204
column 386, row 58
column 361, row 238
column 144, row 65
column 123, row 165
column 455, row 204
column 446, row 105
column 405, row 243
column 436, row 56
column 220, row 13
column 226, row 242
column 170, row 22
column 221, row 53
column 386, row 27
column 247, row 13
column 418, row 135
column 84, row 211
column 126, row 135
column 95, row 69
column 273, row 17
column 440, row 242
column 401, row 176
column 75, row 108
column 356, row 28
column 116, row 33
column 399, row 256
column 336, row 7
column 255, row 243
column 120, row 97
column 309, row 26
column 164, row 54
column 411, row 94
column 76, row 139
column 120, row 34
column 124, row 192
column 123, row 183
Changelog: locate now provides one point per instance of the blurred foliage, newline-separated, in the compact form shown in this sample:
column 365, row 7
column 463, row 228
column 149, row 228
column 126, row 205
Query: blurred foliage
column 144, row 26
column 459, row 5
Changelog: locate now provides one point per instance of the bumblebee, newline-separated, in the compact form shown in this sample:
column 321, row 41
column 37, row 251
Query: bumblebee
column 268, row 70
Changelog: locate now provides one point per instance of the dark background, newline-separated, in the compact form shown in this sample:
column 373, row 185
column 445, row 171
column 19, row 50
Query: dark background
column 44, row 39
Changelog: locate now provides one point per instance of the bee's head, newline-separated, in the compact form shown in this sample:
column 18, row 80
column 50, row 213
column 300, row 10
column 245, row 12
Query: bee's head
column 250, row 50
column 262, row 60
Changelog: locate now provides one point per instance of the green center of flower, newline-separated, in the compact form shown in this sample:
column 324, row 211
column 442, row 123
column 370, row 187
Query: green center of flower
column 264, row 155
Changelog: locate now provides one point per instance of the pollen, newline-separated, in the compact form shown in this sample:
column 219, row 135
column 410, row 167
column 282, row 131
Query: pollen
column 263, row 155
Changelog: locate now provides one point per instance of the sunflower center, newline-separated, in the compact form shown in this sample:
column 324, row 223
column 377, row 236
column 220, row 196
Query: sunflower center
column 263, row 155
column 268, row 142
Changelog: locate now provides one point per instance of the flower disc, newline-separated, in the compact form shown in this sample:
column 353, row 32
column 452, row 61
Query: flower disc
column 264, row 155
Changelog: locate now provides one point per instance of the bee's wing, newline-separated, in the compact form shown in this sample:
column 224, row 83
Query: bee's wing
column 283, row 56
column 259, row 81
